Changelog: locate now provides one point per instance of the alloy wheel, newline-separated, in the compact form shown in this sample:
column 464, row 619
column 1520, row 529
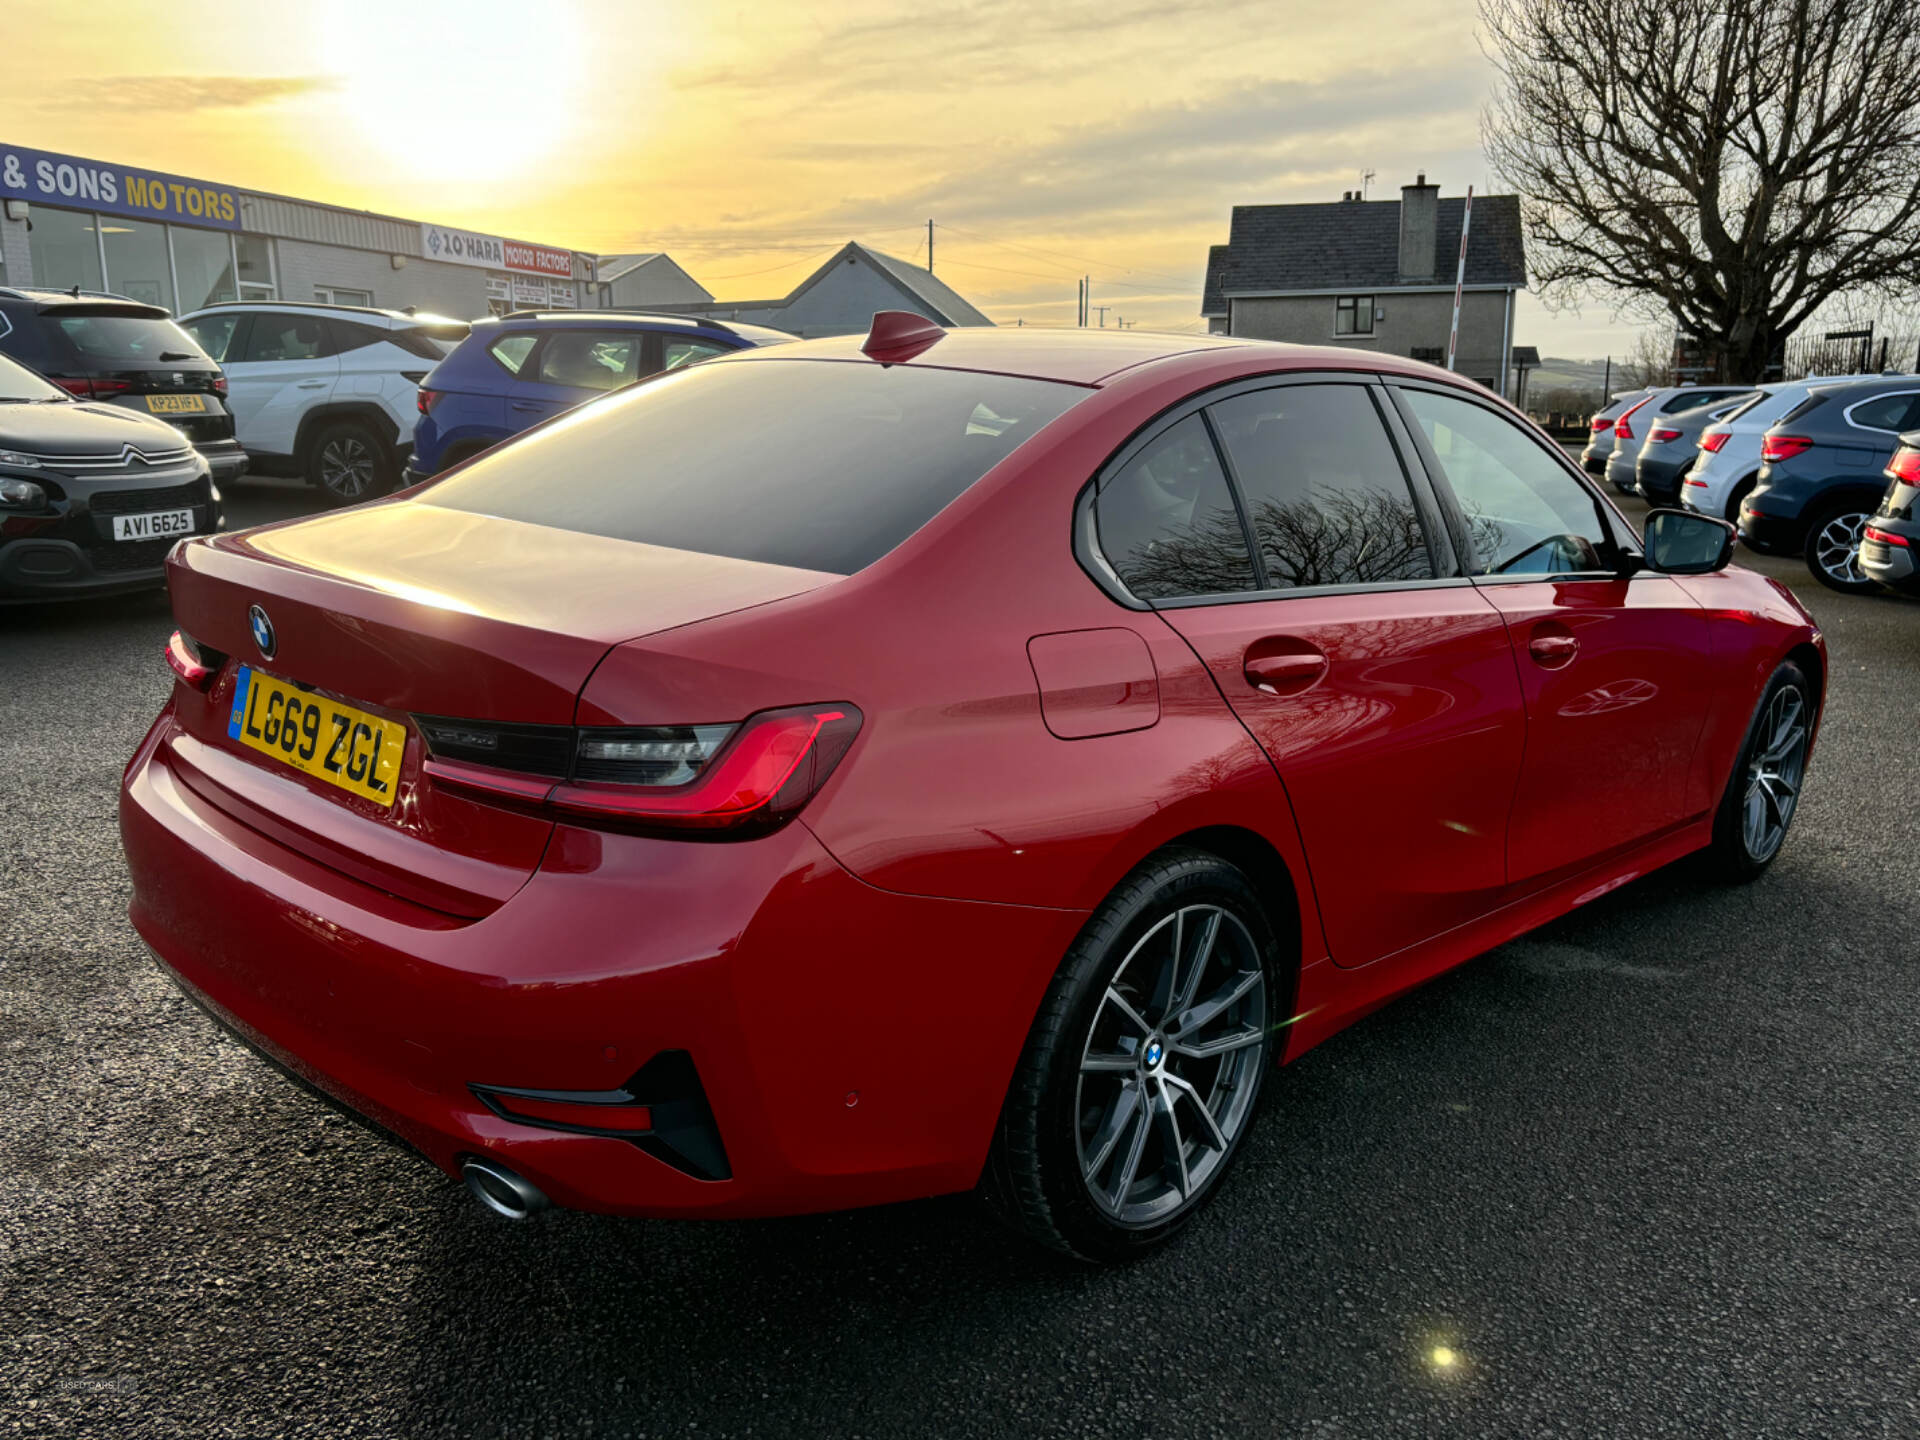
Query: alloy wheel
column 1171, row 1065
column 1836, row 548
column 346, row 467
column 1774, row 773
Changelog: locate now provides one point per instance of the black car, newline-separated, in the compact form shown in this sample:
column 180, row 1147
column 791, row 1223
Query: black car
column 110, row 348
column 92, row 496
column 1890, row 545
column 1822, row 475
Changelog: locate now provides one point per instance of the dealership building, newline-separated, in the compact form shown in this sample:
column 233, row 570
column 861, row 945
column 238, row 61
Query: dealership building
column 184, row 243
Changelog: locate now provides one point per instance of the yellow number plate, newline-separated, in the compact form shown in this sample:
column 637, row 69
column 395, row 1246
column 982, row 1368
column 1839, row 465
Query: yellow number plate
column 177, row 404
column 321, row 737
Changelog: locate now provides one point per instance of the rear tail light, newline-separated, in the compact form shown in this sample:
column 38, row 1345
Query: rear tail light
column 1886, row 537
column 1775, row 448
column 714, row 779
column 1601, row 423
column 191, row 662
column 81, row 387
column 1713, row 440
column 1662, row 435
column 1622, row 428
column 219, row 384
column 1905, row 465
column 427, row 399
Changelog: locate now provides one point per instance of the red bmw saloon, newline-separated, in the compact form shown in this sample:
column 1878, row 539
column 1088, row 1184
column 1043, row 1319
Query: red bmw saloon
column 931, row 761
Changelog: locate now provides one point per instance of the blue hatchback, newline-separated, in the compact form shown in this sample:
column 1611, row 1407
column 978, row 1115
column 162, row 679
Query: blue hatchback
column 531, row 365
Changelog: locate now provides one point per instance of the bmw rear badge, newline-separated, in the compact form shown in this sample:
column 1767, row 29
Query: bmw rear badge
column 263, row 638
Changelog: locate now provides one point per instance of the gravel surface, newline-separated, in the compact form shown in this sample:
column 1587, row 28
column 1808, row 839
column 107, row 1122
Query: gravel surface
column 1651, row 1171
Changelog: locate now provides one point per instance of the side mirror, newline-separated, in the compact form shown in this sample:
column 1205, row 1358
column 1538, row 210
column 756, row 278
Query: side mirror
column 1679, row 542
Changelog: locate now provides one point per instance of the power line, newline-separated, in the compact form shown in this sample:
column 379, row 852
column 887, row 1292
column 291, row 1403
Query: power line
column 1062, row 255
column 784, row 265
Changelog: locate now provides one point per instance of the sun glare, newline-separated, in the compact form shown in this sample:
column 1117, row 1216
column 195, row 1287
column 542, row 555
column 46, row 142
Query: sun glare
column 457, row 92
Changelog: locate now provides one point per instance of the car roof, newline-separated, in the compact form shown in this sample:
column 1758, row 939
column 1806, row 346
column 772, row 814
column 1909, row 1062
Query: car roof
column 1867, row 385
column 637, row 319
column 92, row 301
column 397, row 319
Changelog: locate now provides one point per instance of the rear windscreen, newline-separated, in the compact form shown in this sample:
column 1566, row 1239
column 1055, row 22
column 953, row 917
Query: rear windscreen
column 128, row 339
column 820, row 465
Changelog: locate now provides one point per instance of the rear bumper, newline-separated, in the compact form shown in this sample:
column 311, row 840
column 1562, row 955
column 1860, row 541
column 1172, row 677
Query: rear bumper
column 841, row 1068
column 225, row 458
column 1772, row 534
column 1595, row 462
column 1658, row 481
column 1892, row 565
column 1620, row 473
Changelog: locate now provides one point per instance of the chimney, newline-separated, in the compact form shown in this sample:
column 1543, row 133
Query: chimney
column 1419, row 228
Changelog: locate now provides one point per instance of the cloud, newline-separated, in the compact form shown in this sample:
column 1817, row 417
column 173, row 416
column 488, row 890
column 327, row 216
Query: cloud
column 159, row 96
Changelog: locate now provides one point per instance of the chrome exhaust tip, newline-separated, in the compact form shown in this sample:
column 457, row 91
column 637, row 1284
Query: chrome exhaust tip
column 510, row 1196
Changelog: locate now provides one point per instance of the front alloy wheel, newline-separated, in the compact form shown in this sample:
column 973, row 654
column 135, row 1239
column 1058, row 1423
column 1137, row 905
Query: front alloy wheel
column 1776, row 765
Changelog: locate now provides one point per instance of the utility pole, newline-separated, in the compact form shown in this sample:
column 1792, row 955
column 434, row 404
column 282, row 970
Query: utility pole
column 1606, row 385
column 929, row 247
column 1460, row 278
column 1103, row 313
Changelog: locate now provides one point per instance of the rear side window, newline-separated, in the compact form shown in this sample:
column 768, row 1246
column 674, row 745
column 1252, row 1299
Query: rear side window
column 1525, row 515
column 1804, row 408
column 676, row 353
column 1888, row 412
column 512, row 351
column 820, row 465
column 590, row 359
column 1167, row 521
column 213, row 332
column 1325, row 494
column 349, row 335
column 126, row 338
column 425, row 343
column 279, row 336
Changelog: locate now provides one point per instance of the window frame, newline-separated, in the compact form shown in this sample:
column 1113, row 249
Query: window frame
column 1625, row 543
column 1847, row 414
column 1354, row 301
column 1443, row 545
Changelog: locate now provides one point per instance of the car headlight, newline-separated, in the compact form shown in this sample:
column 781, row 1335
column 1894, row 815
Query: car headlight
column 22, row 494
column 14, row 460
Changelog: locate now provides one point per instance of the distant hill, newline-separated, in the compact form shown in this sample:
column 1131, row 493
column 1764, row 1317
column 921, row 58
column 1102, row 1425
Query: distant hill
column 1573, row 374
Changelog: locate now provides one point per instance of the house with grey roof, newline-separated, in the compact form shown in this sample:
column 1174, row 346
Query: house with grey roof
column 642, row 281
column 840, row 297
column 1374, row 275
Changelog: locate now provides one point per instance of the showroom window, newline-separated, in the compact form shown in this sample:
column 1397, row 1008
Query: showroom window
column 65, row 249
column 203, row 265
column 136, row 252
column 253, row 257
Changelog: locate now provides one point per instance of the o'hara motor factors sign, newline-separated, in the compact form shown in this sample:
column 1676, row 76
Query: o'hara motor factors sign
column 468, row 247
column 44, row 178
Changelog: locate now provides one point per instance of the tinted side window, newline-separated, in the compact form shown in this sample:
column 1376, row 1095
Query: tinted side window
column 512, row 351
column 1325, row 494
column 686, row 352
column 287, row 337
column 1524, row 514
column 347, row 335
column 590, row 360
column 1167, row 521
column 1886, row 412
column 214, row 332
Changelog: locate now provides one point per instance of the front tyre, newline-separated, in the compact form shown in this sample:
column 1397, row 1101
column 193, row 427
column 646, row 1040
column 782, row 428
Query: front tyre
column 1764, row 791
column 1143, row 1068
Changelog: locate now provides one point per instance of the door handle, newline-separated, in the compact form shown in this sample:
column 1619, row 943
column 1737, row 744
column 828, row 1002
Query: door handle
column 310, row 385
column 1285, row 674
column 527, row 405
column 1552, row 651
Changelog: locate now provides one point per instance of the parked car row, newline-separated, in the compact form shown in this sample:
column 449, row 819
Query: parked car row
column 1800, row 466
column 355, row 401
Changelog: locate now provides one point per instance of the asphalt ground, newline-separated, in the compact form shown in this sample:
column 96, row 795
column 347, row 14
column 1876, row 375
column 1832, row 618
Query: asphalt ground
column 1652, row 1170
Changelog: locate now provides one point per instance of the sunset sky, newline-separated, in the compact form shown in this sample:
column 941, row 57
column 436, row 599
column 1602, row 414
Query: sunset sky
column 749, row 139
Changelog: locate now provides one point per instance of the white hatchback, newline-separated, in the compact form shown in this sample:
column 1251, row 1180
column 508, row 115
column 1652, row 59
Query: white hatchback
column 329, row 393
column 1729, row 461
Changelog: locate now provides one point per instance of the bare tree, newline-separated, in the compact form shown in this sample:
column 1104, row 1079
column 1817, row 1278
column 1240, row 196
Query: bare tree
column 1736, row 163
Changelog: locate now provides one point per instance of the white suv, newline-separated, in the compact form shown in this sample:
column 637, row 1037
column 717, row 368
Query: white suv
column 327, row 392
column 1728, row 464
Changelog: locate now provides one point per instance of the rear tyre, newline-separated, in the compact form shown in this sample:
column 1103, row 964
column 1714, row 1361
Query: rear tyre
column 347, row 463
column 1143, row 1068
column 1833, row 549
column 1763, row 792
